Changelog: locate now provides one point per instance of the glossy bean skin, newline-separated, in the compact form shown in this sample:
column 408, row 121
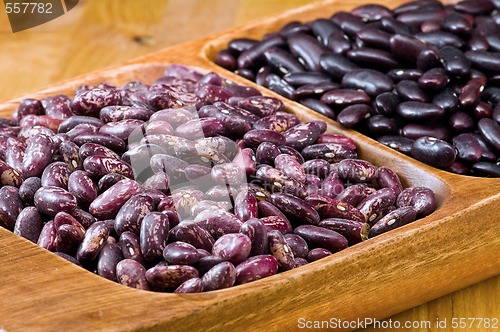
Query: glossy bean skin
column 256, row 231
column 345, row 97
column 318, row 167
column 330, row 208
column 317, row 253
column 108, row 259
column 29, row 224
column 132, row 274
column 98, row 166
column 290, row 167
column 93, row 241
column 47, row 236
column 193, row 285
column 279, row 223
column 322, row 237
column 153, row 235
column 302, row 135
column 245, row 206
column 266, row 153
column 118, row 113
column 218, row 222
column 191, row 232
column 222, row 275
column 308, row 49
column 37, row 156
column 356, row 170
column 51, row 200
column 28, row 189
column 255, row 268
column 294, row 207
column 246, row 160
column 394, row 219
column 371, row 81
column 10, row 176
column 486, row 169
column 107, row 204
column 89, row 103
column 354, row 194
column 297, row 244
column 93, row 149
column 331, row 152
column 132, row 212
column 353, row 231
column 234, row 248
column 434, row 152
column 468, row 147
column 354, row 114
column 419, row 111
column 387, row 178
column 74, row 121
column 279, row 248
column 278, row 181
column 421, row 199
column 70, row 153
column 490, row 131
column 110, row 141
column 180, row 253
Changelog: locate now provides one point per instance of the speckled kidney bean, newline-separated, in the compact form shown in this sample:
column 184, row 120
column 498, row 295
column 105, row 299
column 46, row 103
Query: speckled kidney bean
column 37, row 156
column 233, row 121
column 98, row 166
column 245, row 205
column 93, row 241
column 394, row 219
column 332, row 185
column 261, row 106
column 75, row 121
column 278, row 181
column 279, row 248
column 278, row 223
column 321, row 237
column 355, row 193
column 93, row 149
column 47, row 236
column 255, row 268
column 356, row 170
column 132, row 212
column 26, row 107
column 302, row 135
column 117, row 113
column 387, row 178
column 290, row 167
column 373, row 206
column 234, row 247
column 255, row 137
column 29, row 224
column 51, row 200
column 28, row 189
column 330, row 208
column 317, row 253
column 193, row 285
column 191, row 232
column 153, row 235
column 68, row 238
column 70, row 154
column 40, row 120
column 353, row 231
column 110, row 141
column 433, row 151
column 81, row 186
column 130, row 246
column 14, row 153
column 180, row 253
column 222, row 275
column 398, row 143
column 256, row 231
column 90, row 103
column 81, row 129
column 218, row 222
column 108, row 259
column 10, row 176
column 83, row 217
column 266, row 153
column 420, row 198
column 331, row 152
column 132, row 274
column 318, row 167
column 107, row 204
column 297, row 244
column 276, row 122
column 56, row 175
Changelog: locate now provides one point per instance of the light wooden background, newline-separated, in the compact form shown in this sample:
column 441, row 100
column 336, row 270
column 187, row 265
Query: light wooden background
column 101, row 33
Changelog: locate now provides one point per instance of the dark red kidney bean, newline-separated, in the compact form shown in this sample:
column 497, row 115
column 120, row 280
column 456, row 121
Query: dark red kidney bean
column 107, row 204
column 321, row 237
column 307, row 48
column 278, row 223
column 397, row 143
column 410, row 90
column 130, row 246
column 255, row 268
column 482, row 7
column 421, row 199
column 380, row 125
column 297, row 244
column 415, row 131
column 323, row 29
column 251, row 56
column 418, row 5
column 306, row 78
column 266, row 152
column 349, row 23
column 319, row 107
column 282, row 61
column 110, row 141
column 398, row 75
column 279, row 248
column 89, row 103
column 218, row 222
column 458, row 168
column 317, row 253
column 331, row 152
column 277, row 122
column 290, row 167
column 294, row 207
column 256, row 231
column 222, row 275
column 468, row 147
column 353, row 231
column 93, row 241
column 246, row 73
column 276, row 84
column 496, row 113
column 98, row 166
column 371, row 81
column 455, row 62
column 387, row 178
column 386, row 103
column 261, row 78
column 372, row 12
column 37, row 156
column 374, row 205
column 236, row 46
column 461, row 122
column 56, row 175
column 446, row 99
column 419, row 111
column 245, row 206
column 484, row 61
column 10, row 176
column 354, row 194
column 314, row 89
column 336, row 65
column 47, row 236
column 180, row 253
column 356, row 170
column 486, row 169
column 82, row 187
column 29, row 224
column 393, row 26
column 93, row 149
column 132, row 212
column 132, row 274
column 490, row 131
column 108, row 259
column 477, row 42
column 234, row 248
column 394, row 219
column 193, row 285
column 372, row 58
column 354, row 114
column 345, row 97
column 406, row 48
column 51, row 200
column 318, row 167
column 434, row 152
column 418, row 17
column 440, row 38
column 470, row 94
column 375, row 38
column 28, row 106
column 332, row 185
column 226, row 60
column 434, row 79
column 28, row 189
column 255, row 137
column 292, row 28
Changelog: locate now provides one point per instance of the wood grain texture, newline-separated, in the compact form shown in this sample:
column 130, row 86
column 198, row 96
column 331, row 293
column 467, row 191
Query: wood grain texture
column 438, row 255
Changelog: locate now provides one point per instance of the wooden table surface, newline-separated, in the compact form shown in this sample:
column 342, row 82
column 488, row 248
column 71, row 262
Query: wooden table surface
column 100, row 33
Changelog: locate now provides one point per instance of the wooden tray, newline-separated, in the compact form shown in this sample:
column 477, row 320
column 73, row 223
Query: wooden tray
column 456, row 246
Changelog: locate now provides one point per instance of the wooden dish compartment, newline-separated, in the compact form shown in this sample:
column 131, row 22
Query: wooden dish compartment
column 454, row 247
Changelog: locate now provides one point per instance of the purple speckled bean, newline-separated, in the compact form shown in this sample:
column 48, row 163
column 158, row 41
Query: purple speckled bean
column 132, row 212
column 234, row 247
column 373, row 206
column 171, row 276
column 47, row 236
column 29, row 224
column 255, row 268
column 394, row 219
column 353, row 231
column 108, row 259
column 320, row 237
column 132, row 274
column 180, row 253
column 257, row 233
column 110, row 201
column 90, row 103
column 193, row 285
column 51, row 200
column 37, row 156
column 295, row 208
column 93, row 242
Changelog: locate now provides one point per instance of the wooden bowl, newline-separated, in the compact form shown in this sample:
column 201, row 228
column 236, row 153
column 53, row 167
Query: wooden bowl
column 454, row 247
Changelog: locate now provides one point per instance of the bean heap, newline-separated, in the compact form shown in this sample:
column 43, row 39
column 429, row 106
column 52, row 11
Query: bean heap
column 191, row 184
column 422, row 79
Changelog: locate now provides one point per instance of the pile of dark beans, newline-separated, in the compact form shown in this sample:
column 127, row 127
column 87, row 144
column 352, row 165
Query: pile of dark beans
column 423, row 78
column 190, row 184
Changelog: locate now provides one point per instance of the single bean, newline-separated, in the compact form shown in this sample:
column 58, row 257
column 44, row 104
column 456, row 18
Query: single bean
column 433, row 151
column 222, row 275
column 255, row 268
column 107, row 204
column 132, row 274
column 393, row 219
column 93, row 241
column 29, row 224
column 108, row 259
column 373, row 206
column 353, row 231
column 279, row 248
column 420, row 198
